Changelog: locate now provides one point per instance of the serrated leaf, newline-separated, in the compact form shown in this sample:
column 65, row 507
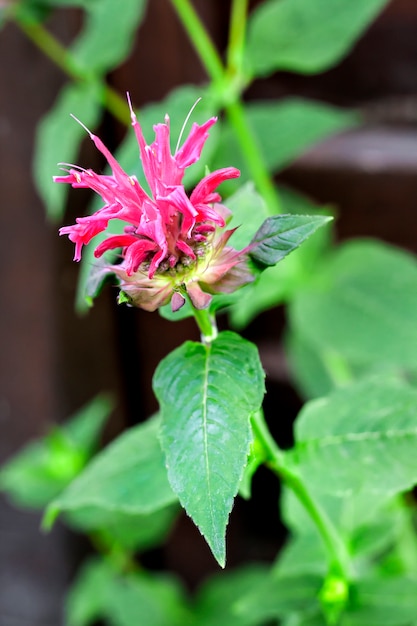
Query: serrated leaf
column 128, row 476
column 281, row 234
column 207, row 394
column 108, row 34
column 44, row 468
column 366, row 433
column 58, row 139
column 277, row 284
column 283, row 131
column 361, row 303
column 305, row 36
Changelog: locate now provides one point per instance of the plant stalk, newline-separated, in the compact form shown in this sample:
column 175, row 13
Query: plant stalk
column 339, row 560
column 200, row 39
column 63, row 59
column 207, row 325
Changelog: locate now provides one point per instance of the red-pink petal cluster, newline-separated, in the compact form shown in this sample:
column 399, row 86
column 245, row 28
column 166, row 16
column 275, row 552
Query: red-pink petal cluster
column 166, row 230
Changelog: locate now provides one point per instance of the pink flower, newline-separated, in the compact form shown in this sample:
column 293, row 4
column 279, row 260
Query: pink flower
column 172, row 243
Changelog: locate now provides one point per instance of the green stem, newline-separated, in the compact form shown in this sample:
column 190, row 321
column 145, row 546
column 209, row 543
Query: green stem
column 235, row 49
column 207, row 325
column 200, row 39
column 339, row 560
column 250, row 149
column 228, row 88
column 61, row 57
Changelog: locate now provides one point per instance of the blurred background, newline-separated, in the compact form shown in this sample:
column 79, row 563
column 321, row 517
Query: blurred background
column 52, row 361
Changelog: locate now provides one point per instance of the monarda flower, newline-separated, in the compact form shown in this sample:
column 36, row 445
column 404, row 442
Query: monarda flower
column 173, row 244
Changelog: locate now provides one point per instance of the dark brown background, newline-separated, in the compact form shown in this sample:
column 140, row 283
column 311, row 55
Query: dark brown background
column 51, row 361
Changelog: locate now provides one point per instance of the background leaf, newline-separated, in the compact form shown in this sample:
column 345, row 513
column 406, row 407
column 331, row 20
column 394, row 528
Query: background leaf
column 101, row 592
column 206, row 394
column 128, row 476
column 284, row 130
column 58, row 139
column 42, row 469
column 360, row 305
column 217, row 599
column 108, row 34
column 366, row 433
column 304, row 36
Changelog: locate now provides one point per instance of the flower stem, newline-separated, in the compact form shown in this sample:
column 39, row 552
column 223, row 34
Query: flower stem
column 339, row 561
column 207, row 325
column 238, row 17
column 61, row 57
column 251, row 151
column 200, row 39
column 229, row 86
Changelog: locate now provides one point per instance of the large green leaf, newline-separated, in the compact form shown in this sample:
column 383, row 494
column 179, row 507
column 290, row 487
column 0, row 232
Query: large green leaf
column 108, row 34
column 361, row 304
column 359, row 438
column 128, row 476
column 305, row 36
column 283, row 130
column 58, row 139
column 44, row 468
column 207, row 394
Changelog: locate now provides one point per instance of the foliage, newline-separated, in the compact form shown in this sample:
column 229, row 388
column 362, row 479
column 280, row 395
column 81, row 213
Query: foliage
column 347, row 481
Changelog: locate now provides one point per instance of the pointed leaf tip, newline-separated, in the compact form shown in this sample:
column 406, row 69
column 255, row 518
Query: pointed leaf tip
column 281, row 234
column 207, row 394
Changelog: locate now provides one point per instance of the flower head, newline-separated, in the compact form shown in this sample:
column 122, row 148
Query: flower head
column 172, row 243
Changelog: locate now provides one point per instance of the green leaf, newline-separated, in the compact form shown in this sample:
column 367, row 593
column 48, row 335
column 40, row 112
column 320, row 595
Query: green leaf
column 279, row 596
column 283, row 130
column 151, row 600
column 108, row 34
column 281, row 234
column 44, row 468
column 309, row 373
column 85, row 601
column 217, row 599
column 130, row 531
column 277, row 284
column 361, row 304
column 58, row 139
column 382, row 602
column 99, row 592
column 366, row 433
column 207, row 394
column 248, row 213
column 305, row 36
column 128, row 476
